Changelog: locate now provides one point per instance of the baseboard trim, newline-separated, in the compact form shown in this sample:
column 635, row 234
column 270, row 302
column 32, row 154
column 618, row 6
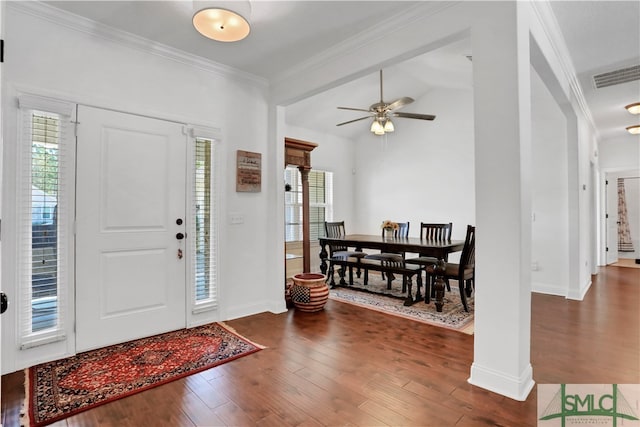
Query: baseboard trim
column 516, row 388
column 543, row 288
column 579, row 295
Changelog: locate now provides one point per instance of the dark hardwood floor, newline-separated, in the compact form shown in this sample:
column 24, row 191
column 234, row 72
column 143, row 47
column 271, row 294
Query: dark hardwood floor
column 356, row 367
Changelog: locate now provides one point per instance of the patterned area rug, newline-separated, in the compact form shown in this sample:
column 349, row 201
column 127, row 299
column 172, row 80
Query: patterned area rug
column 376, row 296
column 59, row 389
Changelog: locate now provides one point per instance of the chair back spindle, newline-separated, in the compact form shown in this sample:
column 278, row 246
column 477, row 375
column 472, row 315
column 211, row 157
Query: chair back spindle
column 401, row 232
column 440, row 232
column 335, row 230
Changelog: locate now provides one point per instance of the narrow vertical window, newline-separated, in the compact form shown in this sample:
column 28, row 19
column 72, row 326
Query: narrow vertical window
column 203, row 225
column 43, row 236
column 44, row 200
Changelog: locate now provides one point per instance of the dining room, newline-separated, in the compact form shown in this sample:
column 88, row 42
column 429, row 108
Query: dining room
column 424, row 170
column 427, row 171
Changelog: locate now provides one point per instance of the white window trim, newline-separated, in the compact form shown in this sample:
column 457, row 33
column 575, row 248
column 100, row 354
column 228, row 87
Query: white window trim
column 27, row 103
column 214, row 135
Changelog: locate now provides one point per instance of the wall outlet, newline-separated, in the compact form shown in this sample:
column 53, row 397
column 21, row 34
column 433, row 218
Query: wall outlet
column 534, row 266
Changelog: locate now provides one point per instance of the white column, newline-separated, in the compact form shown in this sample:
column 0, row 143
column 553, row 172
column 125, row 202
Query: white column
column 502, row 106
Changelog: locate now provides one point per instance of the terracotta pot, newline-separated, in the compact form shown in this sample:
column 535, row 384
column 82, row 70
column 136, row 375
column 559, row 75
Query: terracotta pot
column 309, row 292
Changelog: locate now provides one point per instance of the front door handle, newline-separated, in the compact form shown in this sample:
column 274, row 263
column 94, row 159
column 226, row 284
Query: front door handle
column 180, row 236
column 4, row 302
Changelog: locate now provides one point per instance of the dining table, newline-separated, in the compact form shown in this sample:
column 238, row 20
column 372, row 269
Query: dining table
column 439, row 249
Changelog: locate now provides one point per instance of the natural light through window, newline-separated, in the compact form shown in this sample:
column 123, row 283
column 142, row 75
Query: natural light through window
column 320, row 203
column 43, row 239
column 203, row 224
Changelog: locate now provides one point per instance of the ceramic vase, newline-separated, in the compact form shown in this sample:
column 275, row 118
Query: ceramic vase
column 309, row 292
column 388, row 233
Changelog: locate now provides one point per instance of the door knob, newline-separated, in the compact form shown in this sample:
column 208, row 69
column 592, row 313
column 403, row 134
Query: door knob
column 4, row 302
column 180, row 236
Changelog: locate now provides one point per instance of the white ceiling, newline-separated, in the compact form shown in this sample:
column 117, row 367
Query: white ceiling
column 601, row 36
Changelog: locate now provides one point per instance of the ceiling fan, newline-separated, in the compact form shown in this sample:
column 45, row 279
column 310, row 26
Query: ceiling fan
column 382, row 113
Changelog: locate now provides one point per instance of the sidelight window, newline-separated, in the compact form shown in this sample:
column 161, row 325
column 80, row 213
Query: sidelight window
column 203, row 225
column 43, row 212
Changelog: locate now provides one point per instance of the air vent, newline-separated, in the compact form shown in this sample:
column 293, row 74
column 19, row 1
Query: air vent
column 617, row 77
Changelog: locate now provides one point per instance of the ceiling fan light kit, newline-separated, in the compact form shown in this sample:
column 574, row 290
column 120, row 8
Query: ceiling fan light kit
column 382, row 112
column 224, row 21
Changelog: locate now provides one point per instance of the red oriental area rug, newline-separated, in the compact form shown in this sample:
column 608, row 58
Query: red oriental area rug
column 59, row 389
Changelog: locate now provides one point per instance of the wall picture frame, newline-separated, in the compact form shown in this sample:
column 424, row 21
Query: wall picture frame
column 248, row 171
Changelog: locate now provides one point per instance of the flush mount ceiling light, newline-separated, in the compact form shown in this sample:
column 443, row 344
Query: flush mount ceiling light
column 633, row 108
column 225, row 21
column 634, row 130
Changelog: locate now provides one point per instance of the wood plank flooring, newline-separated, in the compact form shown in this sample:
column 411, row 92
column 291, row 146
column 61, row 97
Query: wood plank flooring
column 350, row 366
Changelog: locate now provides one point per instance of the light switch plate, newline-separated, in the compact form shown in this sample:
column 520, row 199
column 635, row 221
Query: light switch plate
column 236, row 218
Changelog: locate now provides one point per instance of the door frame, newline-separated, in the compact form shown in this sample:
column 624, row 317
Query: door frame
column 2, row 6
column 13, row 358
column 605, row 174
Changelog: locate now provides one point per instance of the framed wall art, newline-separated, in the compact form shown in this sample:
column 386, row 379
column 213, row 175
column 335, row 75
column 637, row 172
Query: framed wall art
column 248, row 171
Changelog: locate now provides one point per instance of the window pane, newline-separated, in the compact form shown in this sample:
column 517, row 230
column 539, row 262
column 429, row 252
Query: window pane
column 319, row 201
column 203, row 221
column 45, row 136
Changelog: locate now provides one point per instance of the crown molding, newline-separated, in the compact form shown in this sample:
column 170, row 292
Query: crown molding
column 551, row 28
column 93, row 28
column 393, row 24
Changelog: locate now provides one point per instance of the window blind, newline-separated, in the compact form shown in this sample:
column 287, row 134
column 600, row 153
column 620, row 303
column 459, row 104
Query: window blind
column 43, row 238
column 203, row 226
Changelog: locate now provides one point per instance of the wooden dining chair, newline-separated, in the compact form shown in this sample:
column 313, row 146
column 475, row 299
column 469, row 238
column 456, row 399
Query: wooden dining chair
column 337, row 230
column 401, row 232
column 464, row 272
column 440, row 232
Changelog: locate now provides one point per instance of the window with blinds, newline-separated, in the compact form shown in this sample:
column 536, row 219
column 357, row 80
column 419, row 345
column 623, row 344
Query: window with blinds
column 320, row 203
column 42, row 239
column 203, row 225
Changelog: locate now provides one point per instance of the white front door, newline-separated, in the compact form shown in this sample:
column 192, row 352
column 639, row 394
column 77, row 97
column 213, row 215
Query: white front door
column 612, row 219
column 130, row 197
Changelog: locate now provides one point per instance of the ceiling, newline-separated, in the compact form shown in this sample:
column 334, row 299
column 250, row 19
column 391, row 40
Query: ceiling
column 601, row 36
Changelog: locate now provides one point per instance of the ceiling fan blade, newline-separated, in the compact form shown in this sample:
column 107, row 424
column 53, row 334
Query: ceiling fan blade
column 414, row 116
column 353, row 109
column 355, row 120
column 400, row 102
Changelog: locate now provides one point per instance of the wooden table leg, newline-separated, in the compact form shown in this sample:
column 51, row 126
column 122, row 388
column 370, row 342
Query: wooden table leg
column 323, row 259
column 439, row 270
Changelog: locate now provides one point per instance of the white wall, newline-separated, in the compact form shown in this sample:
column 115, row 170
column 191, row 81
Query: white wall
column 621, row 153
column 617, row 157
column 333, row 154
column 550, row 234
column 422, row 172
column 86, row 67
